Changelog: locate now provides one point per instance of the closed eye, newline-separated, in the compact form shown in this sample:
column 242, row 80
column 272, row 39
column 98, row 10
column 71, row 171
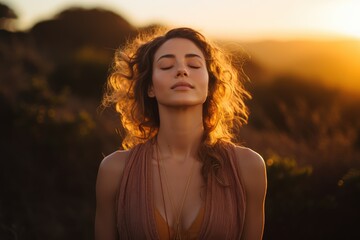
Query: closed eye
column 194, row 63
column 195, row 67
column 166, row 68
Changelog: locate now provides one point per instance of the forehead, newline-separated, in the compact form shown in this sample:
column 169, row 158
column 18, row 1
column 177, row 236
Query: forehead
column 178, row 47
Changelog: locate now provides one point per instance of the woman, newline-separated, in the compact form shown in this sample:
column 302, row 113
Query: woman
column 179, row 100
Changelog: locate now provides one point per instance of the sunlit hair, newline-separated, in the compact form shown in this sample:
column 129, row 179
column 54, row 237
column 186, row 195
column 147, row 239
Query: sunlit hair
column 224, row 110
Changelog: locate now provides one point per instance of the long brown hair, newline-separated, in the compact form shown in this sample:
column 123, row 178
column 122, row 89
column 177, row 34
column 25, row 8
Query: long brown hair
column 224, row 110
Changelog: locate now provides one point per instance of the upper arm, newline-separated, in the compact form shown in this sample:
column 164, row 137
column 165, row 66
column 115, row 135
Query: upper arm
column 107, row 184
column 253, row 171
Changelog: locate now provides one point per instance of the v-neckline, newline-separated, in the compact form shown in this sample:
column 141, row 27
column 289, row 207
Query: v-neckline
column 200, row 213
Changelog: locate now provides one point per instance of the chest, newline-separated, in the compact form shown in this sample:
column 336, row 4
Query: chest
column 178, row 193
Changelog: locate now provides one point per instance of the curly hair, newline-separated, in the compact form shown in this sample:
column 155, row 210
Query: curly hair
column 224, row 110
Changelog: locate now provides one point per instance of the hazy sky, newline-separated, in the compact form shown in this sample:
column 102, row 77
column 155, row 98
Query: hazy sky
column 243, row 19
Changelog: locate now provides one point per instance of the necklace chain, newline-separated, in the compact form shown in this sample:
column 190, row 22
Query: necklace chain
column 176, row 227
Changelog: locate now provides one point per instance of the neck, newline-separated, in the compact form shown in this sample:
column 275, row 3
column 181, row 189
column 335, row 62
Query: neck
column 180, row 132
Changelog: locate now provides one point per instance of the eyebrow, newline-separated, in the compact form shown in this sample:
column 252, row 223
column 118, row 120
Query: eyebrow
column 189, row 55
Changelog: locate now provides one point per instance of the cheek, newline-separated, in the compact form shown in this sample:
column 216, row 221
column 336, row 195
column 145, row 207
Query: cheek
column 158, row 80
column 204, row 79
column 207, row 82
column 155, row 78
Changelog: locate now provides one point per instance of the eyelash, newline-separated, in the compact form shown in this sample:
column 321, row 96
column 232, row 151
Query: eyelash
column 167, row 68
column 195, row 67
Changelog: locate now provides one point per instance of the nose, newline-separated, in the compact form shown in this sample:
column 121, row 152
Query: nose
column 182, row 73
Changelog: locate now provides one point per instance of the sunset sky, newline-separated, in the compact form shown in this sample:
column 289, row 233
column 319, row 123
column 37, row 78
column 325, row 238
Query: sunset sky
column 255, row 19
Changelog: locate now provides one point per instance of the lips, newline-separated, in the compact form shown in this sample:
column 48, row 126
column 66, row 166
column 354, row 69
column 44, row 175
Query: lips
column 182, row 84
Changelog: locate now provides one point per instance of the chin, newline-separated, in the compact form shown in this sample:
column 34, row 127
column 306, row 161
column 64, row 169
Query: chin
column 183, row 103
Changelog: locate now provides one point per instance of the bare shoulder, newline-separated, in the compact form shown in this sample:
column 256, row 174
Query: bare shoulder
column 114, row 162
column 252, row 169
column 248, row 158
column 110, row 171
column 107, row 184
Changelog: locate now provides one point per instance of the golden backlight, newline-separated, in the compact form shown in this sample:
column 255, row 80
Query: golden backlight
column 336, row 63
column 344, row 18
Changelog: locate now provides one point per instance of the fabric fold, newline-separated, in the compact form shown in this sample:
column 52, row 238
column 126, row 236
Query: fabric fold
column 224, row 205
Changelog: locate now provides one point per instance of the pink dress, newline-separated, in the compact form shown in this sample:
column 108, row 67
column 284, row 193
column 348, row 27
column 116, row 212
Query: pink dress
column 223, row 214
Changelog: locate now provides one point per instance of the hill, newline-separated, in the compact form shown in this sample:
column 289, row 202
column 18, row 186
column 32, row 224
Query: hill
column 336, row 63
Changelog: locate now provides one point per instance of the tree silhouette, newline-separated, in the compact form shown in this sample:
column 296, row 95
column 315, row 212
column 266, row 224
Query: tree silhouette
column 77, row 27
column 7, row 15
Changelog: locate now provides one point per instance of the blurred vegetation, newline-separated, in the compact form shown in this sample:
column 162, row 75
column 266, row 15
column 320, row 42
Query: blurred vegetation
column 53, row 136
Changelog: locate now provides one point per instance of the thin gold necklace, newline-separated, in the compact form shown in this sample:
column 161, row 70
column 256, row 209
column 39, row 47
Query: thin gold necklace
column 176, row 227
column 161, row 185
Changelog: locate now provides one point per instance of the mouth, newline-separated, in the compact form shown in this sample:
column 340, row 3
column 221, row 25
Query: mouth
column 182, row 85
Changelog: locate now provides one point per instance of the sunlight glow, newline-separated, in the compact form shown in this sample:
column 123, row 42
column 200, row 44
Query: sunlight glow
column 277, row 19
column 345, row 18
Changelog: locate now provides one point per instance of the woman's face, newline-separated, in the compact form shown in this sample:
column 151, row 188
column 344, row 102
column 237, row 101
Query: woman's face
column 180, row 77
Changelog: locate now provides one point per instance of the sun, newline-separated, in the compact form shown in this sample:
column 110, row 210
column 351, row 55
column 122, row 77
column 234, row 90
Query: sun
column 345, row 18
